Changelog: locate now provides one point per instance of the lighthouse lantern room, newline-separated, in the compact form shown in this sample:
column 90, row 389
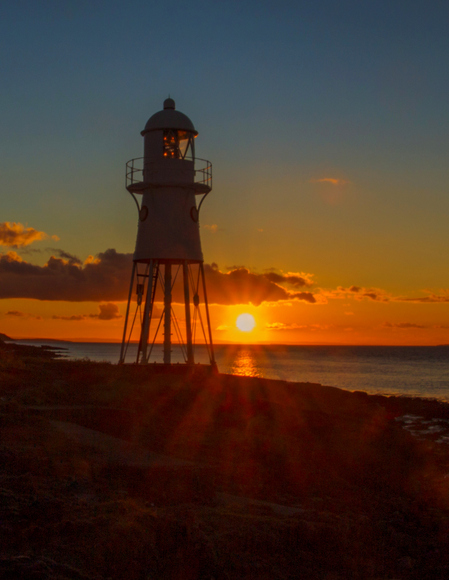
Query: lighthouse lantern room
column 168, row 261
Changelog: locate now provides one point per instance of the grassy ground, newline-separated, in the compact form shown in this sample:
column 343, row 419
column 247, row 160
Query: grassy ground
column 285, row 480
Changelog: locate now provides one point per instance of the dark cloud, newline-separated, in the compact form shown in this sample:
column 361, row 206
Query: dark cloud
column 73, row 317
column 70, row 258
column 375, row 296
column 108, row 311
column 359, row 293
column 105, row 278
column 295, row 280
column 431, row 298
column 19, row 314
column 240, row 286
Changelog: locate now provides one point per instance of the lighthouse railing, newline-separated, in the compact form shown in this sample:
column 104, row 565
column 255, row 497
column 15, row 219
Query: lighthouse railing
column 203, row 175
column 135, row 173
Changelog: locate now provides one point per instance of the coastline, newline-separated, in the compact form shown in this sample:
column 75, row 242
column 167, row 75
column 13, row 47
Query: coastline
column 409, row 371
column 269, row 478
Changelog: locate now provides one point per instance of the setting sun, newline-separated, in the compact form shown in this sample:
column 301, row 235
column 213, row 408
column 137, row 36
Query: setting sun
column 245, row 322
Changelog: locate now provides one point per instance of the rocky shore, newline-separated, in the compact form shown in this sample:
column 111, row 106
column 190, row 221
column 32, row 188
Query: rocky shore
column 117, row 472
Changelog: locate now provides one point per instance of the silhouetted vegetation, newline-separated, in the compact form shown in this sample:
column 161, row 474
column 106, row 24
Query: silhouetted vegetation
column 228, row 477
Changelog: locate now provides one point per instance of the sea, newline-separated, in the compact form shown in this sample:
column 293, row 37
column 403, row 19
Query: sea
column 402, row 370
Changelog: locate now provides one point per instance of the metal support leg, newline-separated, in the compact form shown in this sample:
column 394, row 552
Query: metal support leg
column 122, row 350
column 212, row 355
column 147, row 316
column 167, row 315
column 185, row 271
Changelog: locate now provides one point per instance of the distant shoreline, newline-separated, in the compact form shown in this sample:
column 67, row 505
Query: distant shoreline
column 249, row 344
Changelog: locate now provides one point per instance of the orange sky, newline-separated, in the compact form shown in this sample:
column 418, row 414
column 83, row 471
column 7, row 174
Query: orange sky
column 288, row 307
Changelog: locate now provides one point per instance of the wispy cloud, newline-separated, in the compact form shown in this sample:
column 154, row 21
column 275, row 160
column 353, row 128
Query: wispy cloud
column 330, row 180
column 358, row 293
column 403, row 325
column 108, row 311
column 16, row 313
column 332, row 190
column 73, row 317
column 212, row 228
column 20, row 314
column 69, row 258
column 295, row 326
column 16, row 235
column 282, row 326
column 432, row 297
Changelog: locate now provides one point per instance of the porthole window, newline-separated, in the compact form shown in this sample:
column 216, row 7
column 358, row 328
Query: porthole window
column 194, row 213
column 143, row 213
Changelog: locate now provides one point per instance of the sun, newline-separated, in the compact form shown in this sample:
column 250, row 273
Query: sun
column 245, row 322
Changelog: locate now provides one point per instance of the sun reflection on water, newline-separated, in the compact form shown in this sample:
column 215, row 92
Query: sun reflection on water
column 245, row 364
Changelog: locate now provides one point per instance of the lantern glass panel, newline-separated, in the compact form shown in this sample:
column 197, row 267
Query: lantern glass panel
column 184, row 138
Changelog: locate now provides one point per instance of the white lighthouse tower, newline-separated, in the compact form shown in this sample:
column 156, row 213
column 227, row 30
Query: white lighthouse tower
column 168, row 261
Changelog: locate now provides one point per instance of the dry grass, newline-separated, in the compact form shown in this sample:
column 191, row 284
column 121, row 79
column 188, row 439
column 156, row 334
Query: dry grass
column 371, row 501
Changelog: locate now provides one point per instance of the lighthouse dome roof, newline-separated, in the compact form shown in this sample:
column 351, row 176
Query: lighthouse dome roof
column 169, row 118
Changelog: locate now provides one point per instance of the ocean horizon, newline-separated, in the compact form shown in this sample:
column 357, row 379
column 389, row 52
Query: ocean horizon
column 401, row 370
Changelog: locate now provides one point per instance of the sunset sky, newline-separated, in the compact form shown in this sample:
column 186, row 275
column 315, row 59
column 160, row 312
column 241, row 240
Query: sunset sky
column 327, row 125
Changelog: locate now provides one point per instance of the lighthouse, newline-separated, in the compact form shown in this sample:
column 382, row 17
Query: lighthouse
column 168, row 289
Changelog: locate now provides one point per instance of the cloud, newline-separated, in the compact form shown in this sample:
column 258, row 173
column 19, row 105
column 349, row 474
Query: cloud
column 430, row 298
column 105, row 279
column 108, row 311
column 19, row 314
column 70, row 318
column 330, row 180
column 294, row 326
column 291, row 278
column 212, row 228
column 402, row 325
column 359, row 293
column 69, row 258
column 332, row 190
column 16, row 235
column 241, row 286
column 375, row 295
column 282, row 326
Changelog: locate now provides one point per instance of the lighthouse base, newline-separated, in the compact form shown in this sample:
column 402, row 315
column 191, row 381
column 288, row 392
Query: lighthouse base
column 170, row 303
